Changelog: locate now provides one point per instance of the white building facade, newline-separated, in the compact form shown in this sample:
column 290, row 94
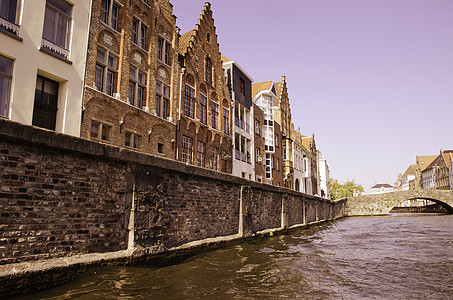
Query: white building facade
column 265, row 100
column 381, row 188
column 42, row 62
column 300, row 168
column 407, row 177
column 428, row 178
column 324, row 176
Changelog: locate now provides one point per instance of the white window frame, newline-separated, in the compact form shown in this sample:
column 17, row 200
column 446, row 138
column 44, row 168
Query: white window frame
column 139, row 38
column 134, row 141
column 101, row 130
column 110, row 15
column 9, row 77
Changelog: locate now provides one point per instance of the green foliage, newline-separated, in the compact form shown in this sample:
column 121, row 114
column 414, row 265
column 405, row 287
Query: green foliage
column 346, row 189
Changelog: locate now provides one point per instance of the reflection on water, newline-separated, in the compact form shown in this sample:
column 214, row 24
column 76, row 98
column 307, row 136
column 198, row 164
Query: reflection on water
column 393, row 257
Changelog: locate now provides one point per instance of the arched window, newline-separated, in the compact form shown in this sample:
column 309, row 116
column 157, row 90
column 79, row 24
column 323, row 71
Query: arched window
column 208, row 70
column 297, row 187
column 189, row 97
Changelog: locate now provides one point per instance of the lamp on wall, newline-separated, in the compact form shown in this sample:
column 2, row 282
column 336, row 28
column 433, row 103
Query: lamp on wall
column 121, row 125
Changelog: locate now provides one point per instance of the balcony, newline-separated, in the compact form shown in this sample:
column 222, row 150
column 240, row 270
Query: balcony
column 241, row 124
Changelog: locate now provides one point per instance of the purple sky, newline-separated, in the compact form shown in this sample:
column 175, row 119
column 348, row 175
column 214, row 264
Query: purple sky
column 373, row 79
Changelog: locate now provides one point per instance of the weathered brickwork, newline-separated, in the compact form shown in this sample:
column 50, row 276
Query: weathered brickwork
column 258, row 115
column 127, row 61
column 58, row 204
column 204, row 130
column 63, row 196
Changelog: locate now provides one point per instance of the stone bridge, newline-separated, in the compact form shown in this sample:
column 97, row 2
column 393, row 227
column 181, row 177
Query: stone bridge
column 381, row 204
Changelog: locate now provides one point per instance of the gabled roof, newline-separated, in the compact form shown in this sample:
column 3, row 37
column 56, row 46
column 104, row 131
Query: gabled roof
column 424, row 161
column 184, row 41
column 189, row 38
column 381, row 185
column 261, row 86
column 410, row 170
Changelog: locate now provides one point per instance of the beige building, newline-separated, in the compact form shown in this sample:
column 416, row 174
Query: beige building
column 42, row 62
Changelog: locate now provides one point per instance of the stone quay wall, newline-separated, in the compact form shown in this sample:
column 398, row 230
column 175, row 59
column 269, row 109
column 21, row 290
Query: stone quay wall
column 62, row 196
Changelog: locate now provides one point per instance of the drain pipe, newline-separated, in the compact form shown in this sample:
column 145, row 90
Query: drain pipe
column 179, row 111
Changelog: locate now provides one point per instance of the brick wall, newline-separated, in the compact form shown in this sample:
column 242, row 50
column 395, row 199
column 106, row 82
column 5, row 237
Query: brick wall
column 62, row 196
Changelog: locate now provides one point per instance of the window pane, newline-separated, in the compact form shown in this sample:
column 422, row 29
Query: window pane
column 99, row 78
column 8, row 10
column 159, row 87
column 62, row 31
column 62, row 6
column 94, row 130
column 127, row 141
column 160, row 46
column 109, row 85
column 167, row 53
column 167, row 91
column 158, row 99
column 136, row 141
column 5, row 65
column 104, row 11
column 134, row 31
column 106, row 132
column 140, row 91
column 4, row 96
column 131, row 93
column 115, row 13
column 143, row 36
column 141, row 78
column 101, row 56
column 113, row 61
column 50, row 19
column 133, row 73
column 165, row 110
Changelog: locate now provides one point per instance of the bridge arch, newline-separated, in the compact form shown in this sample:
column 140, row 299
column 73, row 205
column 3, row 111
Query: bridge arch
column 381, row 204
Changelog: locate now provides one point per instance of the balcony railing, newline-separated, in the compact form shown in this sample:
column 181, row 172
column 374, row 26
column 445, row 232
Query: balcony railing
column 241, row 124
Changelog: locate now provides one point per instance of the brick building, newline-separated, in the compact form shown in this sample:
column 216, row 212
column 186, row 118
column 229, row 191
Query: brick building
column 258, row 143
column 131, row 86
column 265, row 96
column 204, row 126
column 309, row 143
column 283, row 117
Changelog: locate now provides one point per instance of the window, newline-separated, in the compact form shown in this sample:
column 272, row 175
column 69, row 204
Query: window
column 137, row 82
column 160, row 148
column 257, row 127
column 139, row 33
column 6, row 72
column 214, row 115
column 242, row 86
column 258, row 155
column 201, row 154
column 276, row 140
column 208, row 70
column 203, row 110
column 277, row 164
column 163, row 50
column 110, row 13
column 226, row 121
column 9, row 12
column 106, row 71
column 213, row 158
column 132, row 140
column 100, row 131
column 162, row 100
column 56, row 30
column 189, row 101
column 45, row 105
column 186, row 149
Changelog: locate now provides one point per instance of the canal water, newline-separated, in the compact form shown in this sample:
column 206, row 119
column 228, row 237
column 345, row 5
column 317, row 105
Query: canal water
column 400, row 256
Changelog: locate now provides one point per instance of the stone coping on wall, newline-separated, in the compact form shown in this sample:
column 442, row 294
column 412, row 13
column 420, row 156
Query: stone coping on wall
column 27, row 134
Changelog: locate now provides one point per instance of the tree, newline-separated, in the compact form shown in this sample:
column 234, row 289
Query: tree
column 346, row 189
